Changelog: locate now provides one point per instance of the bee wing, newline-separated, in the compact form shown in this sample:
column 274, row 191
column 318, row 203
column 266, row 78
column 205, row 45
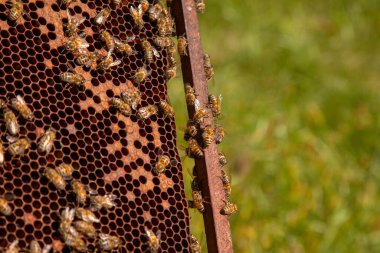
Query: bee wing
column 133, row 11
column 220, row 98
column 91, row 191
column 115, row 63
column 197, row 104
column 140, row 10
column 158, row 234
column 20, row 99
column 68, row 15
column 111, row 196
column 155, row 52
column 84, row 44
column 130, row 38
column 11, row 139
column 46, row 248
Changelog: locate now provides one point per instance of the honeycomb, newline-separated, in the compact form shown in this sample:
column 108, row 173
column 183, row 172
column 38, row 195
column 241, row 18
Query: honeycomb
column 111, row 153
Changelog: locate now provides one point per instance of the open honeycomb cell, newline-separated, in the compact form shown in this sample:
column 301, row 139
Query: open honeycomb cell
column 111, row 153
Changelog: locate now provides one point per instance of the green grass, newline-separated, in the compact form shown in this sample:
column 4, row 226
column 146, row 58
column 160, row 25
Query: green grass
column 301, row 103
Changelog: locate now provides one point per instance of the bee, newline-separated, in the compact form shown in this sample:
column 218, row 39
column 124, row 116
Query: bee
column 190, row 131
column 147, row 111
column 195, row 246
column 197, row 201
column 86, row 215
column 108, row 62
column 166, row 108
column 80, row 191
column 133, row 98
column 16, row 10
column 226, row 184
column 200, row 6
column 140, row 75
column 171, row 72
column 67, row 217
column 5, row 209
column 144, row 5
column 190, row 95
column 222, row 159
column 137, row 16
column 109, row 242
column 163, row 42
column 153, row 240
column 36, row 248
column 182, row 45
column 2, row 153
column 165, row 25
column 65, row 170
column 13, row 248
column 55, row 178
column 194, row 150
column 121, row 106
column 162, row 163
column 199, row 115
column 20, row 105
column 85, row 228
column 149, row 51
column 108, row 40
column 215, row 104
column 102, row 16
column 76, row 243
column 87, row 59
column 155, row 11
column 47, row 140
column 209, row 69
column 75, row 45
column 72, row 78
column 99, row 202
column 219, row 134
column 208, row 135
column 229, row 208
column 19, row 146
column 123, row 47
column 65, row 3
column 72, row 24
column 11, row 122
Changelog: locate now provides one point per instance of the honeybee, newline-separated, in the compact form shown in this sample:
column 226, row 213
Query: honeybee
column 67, row 217
column 194, row 150
column 47, row 141
column 80, row 191
column 190, row 95
column 222, row 159
column 226, row 184
column 149, row 51
column 108, row 62
column 85, row 228
column 102, row 16
column 199, row 114
column 163, row 42
column 153, row 240
column 200, row 6
column 219, row 134
column 20, row 105
column 76, row 243
column 172, row 62
column 19, row 146
column 13, row 248
column 99, row 202
column 155, row 11
column 208, row 135
column 2, row 153
column 197, row 201
column 190, row 130
column 195, row 246
column 86, row 215
column 65, row 170
column 182, row 45
column 162, row 163
column 215, row 104
column 137, row 16
column 5, row 209
column 229, row 208
column 140, row 75
column 147, row 111
column 171, row 72
column 108, row 40
column 144, row 5
column 55, row 178
column 72, row 24
column 133, row 98
column 72, row 78
column 87, row 59
column 16, row 11
column 209, row 69
column 65, row 2
column 121, row 106
column 166, row 108
column 123, row 47
column 36, row 248
column 75, row 45
column 11, row 123
column 109, row 242
column 165, row 25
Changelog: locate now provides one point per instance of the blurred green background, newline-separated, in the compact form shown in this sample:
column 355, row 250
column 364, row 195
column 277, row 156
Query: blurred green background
column 301, row 105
